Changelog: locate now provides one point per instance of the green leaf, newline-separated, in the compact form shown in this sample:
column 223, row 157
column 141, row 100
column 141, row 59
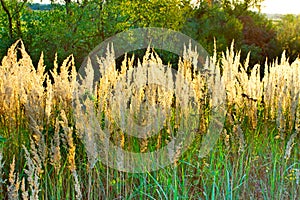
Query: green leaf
column 2, row 139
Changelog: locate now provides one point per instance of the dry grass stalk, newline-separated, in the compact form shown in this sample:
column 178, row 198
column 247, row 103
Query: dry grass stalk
column 175, row 153
column 240, row 135
column 226, row 139
column 77, row 185
column 14, row 182
column 290, row 145
column 230, row 63
column 280, row 119
column 2, row 181
column 55, row 148
column 33, row 173
column 87, row 122
column 24, row 191
column 68, row 135
column 49, row 104
column 144, row 145
column 281, row 91
column 64, row 83
column 14, row 78
column 38, row 146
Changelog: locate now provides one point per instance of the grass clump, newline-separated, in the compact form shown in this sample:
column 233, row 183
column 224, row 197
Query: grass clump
column 53, row 148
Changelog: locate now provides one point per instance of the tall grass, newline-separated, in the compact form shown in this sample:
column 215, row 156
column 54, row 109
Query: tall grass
column 52, row 150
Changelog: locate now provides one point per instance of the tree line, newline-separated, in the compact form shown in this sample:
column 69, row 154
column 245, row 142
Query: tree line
column 76, row 27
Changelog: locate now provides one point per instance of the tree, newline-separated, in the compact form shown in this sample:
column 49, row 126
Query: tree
column 11, row 26
column 13, row 10
column 211, row 23
column 76, row 31
column 155, row 13
column 76, row 27
column 241, row 4
column 288, row 35
column 226, row 21
column 259, row 38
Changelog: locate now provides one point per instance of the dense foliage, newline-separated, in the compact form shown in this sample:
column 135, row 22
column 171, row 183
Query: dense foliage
column 76, row 27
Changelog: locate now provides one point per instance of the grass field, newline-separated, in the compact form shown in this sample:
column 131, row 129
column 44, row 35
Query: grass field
column 49, row 150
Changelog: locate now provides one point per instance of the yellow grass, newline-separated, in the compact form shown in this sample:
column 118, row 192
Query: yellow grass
column 29, row 100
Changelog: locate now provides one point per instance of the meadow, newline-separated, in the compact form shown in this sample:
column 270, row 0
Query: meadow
column 48, row 151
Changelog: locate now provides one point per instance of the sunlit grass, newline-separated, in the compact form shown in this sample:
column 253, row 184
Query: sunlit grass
column 255, row 157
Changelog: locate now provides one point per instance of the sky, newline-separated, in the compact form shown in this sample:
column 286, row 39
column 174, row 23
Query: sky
column 268, row 6
column 281, row 6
